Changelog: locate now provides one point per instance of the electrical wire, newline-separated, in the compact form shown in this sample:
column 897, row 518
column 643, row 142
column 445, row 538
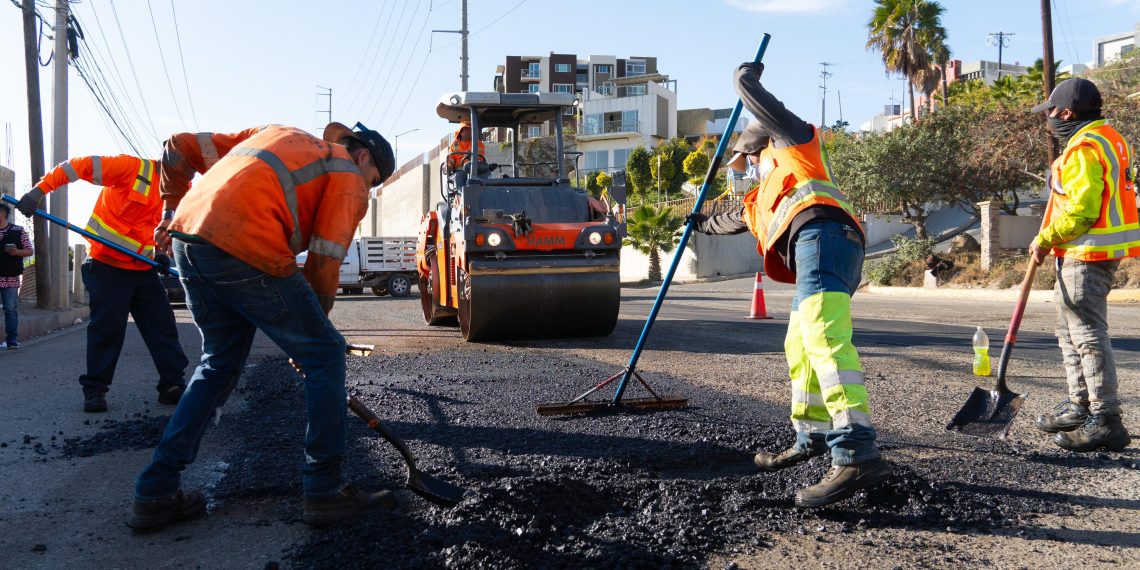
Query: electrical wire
column 492, row 23
column 404, row 72
column 182, row 60
column 165, row 69
column 388, row 77
column 114, row 66
column 131, row 64
column 360, row 66
column 1069, row 40
column 98, row 74
column 383, row 61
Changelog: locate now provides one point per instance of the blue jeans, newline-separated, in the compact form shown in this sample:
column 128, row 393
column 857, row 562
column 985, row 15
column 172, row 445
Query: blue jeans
column 230, row 301
column 10, row 298
column 829, row 265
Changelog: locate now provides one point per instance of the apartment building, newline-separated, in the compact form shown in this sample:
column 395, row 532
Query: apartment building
column 1108, row 49
column 957, row 70
column 624, row 102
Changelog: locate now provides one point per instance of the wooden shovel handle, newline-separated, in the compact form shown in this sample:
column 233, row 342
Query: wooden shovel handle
column 1014, row 324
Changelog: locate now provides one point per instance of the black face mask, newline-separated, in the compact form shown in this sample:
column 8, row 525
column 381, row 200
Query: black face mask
column 1064, row 130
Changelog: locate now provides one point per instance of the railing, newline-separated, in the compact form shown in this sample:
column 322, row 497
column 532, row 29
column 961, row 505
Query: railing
column 608, row 127
column 528, row 74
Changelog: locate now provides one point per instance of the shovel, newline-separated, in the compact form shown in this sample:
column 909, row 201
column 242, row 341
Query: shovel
column 429, row 488
column 990, row 412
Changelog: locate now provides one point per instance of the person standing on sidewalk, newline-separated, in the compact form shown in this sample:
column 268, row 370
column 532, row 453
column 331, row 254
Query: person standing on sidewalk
column 808, row 235
column 1090, row 224
column 280, row 191
column 14, row 247
column 126, row 212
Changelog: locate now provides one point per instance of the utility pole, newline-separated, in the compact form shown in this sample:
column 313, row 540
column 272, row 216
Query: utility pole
column 36, row 149
column 823, row 75
column 839, row 94
column 462, row 31
column 1000, row 39
column 57, row 257
column 1047, row 67
column 327, row 93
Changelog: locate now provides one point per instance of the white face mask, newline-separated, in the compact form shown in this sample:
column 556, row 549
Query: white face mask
column 753, row 172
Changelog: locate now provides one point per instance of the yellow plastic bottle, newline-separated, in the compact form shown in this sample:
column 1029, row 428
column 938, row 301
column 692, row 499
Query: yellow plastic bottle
column 981, row 353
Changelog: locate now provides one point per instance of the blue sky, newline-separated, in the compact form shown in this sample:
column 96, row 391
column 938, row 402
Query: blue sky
column 252, row 62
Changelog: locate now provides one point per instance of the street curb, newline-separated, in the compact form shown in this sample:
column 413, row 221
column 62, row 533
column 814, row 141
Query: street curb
column 38, row 322
column 984, row 294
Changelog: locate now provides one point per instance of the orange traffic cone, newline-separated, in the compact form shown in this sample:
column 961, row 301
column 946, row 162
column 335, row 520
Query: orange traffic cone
column 759, row 310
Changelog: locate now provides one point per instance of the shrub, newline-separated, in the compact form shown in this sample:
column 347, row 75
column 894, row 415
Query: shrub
column 894, row 264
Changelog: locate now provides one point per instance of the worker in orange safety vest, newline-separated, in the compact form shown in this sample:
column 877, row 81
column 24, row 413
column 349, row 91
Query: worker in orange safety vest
column 274, row 192
column 459, row 153
column 126, row 212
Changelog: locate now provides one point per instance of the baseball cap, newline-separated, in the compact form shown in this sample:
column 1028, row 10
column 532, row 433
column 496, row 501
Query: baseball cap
column 752, row 139
column 377, row 145
column 1076, row 93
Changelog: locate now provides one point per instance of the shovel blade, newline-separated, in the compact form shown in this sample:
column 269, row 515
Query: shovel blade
column 434, row 490
column 663, row 403
column 987, row 413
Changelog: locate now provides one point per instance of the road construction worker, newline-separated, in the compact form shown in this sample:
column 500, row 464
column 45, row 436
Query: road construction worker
column 126, row 213
column 279, row 191
column 458, row 153
column 808, row 235
column 1090, row 224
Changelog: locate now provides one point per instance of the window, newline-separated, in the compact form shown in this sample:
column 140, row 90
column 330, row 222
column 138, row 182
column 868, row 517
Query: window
column 534, row 69
column 533, row 131
column 533, row 88
column 602, row 69
column 634, row 67
column 593, row 124
column 621, row 157
column 597, row 159
column 562, row 67
column 563, row 88
column 629, row 121
column 632, row 90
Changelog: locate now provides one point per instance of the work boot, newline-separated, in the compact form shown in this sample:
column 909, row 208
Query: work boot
column 843, row 481
column 153, row 515
column 1100, row 431
column 1066, row 416
column 776, row 461
column 171, row 394
column 349, row 503
column 93, row 403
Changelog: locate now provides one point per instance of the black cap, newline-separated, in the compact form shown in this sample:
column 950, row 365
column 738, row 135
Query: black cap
column 377, row 145
column 752, row 140
column 1080, row 95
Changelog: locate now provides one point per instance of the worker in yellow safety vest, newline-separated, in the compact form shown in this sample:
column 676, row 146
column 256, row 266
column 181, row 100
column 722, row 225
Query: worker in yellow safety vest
column 1090, row 224
column 808, row 235
column 126, row 213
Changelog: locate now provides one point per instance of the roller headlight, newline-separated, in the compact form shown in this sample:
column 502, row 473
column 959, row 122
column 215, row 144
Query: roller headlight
column 455, row 100
column 494, row 240
column 595, row 238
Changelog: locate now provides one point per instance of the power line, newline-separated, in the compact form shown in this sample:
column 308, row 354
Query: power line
column 388, row 77
column 131, row 64
column 182, row 60
column 97, row 73
column 1067, row 35
column 383, row 60
column 404, row 72
column 368, row 49
column 165, row 70
column 492, row 23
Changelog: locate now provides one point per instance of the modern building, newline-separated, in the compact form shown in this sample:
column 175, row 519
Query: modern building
column 957, row 70
column 624, row 102
column 1111, row 48
column 890, row 119
column 694, row 124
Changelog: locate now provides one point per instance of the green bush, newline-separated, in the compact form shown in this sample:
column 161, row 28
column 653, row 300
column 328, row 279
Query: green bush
column 891, row 266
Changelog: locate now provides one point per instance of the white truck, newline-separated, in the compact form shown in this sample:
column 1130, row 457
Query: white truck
column 387, row 265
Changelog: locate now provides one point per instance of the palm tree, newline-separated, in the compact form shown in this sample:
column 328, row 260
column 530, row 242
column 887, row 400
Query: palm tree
column 651, row 231
column 905, row 32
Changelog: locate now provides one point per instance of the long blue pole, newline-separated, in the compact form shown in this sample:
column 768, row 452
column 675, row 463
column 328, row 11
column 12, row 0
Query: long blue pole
column 709, row 177
column 89, row 235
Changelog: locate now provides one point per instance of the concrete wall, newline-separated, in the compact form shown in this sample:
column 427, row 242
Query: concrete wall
column 880, row 228
column 7, row 181
column 1015, row 232
column 706, row 256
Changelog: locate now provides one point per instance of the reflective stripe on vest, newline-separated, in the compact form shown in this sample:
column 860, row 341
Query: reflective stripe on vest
column 805, row 190
column 1117, row 238
column 209, row 151
column 327, row 248
column 96, row 226
column 97, row 170
column 142, row 182
column 68, row 169
column 290, row 179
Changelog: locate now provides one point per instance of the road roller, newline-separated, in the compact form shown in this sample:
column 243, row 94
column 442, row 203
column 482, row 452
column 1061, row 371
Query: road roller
column 515, row 251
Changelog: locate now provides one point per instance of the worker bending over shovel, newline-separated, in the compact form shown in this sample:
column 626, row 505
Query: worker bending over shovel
column 277, row 192
column 808, row 235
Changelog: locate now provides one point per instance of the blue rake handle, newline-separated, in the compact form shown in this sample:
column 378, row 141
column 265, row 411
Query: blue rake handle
column 709, row 176
column 89, row 235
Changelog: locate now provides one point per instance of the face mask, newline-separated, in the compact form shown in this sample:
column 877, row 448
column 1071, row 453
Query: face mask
column 1064, row 130
column 753, row 172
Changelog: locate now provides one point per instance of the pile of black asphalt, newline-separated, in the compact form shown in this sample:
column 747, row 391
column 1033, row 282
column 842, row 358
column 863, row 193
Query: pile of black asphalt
column 655, row 489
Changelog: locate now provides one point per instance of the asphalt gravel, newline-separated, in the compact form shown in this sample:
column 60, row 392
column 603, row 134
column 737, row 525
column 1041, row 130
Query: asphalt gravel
column 641, row 490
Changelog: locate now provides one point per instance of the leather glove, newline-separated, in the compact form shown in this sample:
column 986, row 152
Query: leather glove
column 696, row 219
column 29, row 202
column 163, row 263
column 753, row 68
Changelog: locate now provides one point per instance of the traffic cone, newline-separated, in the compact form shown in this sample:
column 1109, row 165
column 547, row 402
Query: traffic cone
column 759, row 310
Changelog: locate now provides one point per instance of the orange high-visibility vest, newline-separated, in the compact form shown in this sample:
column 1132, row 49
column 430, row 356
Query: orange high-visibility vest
column 185, row 154
column 455, row 161
column 792, row 180
column 1116, row 233
column 276, row 194
column 127, row 210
